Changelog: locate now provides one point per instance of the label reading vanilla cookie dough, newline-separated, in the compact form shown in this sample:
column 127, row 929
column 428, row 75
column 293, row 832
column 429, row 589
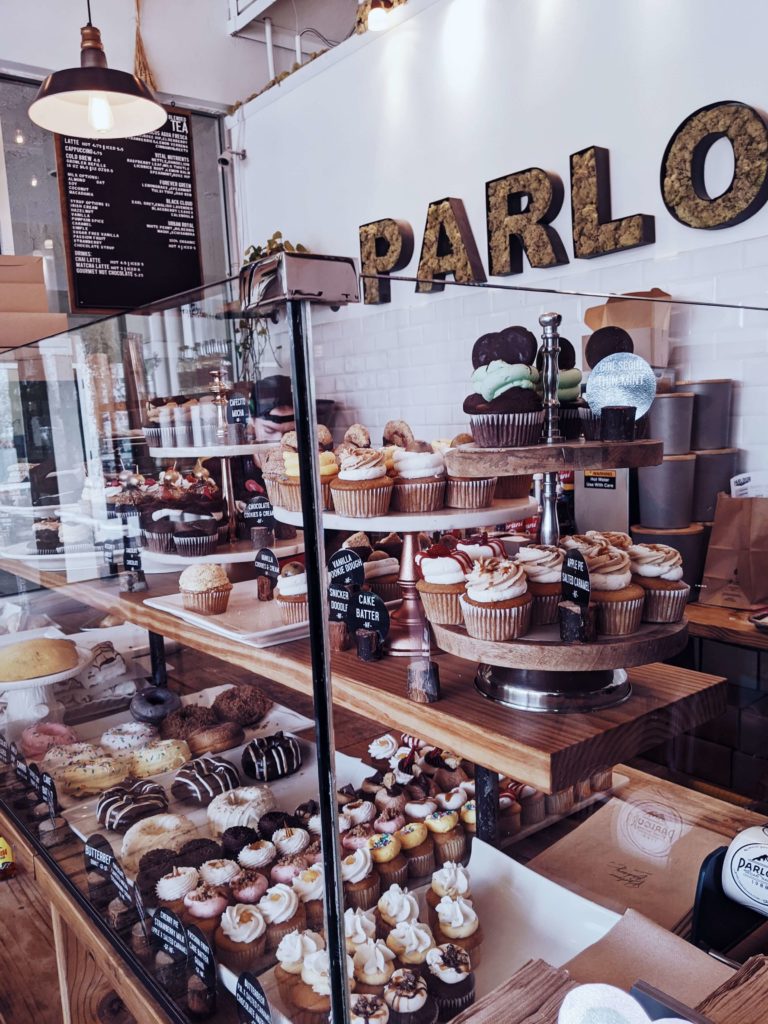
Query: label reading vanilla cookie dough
column 252, row 1004
column 346, row 568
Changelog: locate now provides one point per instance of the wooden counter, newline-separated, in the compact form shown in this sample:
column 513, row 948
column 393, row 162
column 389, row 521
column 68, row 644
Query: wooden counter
column 729, row 625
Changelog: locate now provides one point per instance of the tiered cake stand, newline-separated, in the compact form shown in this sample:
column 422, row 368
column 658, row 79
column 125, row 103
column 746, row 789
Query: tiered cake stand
column 408, row 625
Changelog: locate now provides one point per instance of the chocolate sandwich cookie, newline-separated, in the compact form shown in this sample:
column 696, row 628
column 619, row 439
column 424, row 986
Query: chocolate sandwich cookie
column 513, row 400
column 121, row 806
column 512, row 345
column 271, row 757
column 605, row 342
column 566, row 357
column 200, row 780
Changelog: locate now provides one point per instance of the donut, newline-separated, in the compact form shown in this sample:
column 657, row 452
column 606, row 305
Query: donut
column 62, row 757
column 214, row 738
column 605, row 342
column 169, row 831
column 38, row 739
column 199, row 781
column 246, row 705
column 122, row 806
column 566, row 357
column 153, row 704
column 241, row 806
column 159, row 756
column 124, row 738
column 271, row 757
column 89, row 776
column 180, row 724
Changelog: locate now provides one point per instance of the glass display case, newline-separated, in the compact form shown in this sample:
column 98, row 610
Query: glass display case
column 297, row 704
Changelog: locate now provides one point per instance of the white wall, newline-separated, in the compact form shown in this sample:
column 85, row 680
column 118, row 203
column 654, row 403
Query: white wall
column 465, row 90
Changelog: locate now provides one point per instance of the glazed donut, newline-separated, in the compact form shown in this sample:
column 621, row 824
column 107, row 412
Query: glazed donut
column 123, row 739
column 199, row 781
column 122, row 806
column 153, row 704
column 188, row 719
column 62, row 757
column 169, row 831
column 214, row 738
column 246, row 705
column 159, row 756
column 89, row 776
column 38, row 739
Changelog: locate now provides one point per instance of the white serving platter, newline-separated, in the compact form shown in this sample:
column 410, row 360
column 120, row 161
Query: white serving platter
column 21, row 553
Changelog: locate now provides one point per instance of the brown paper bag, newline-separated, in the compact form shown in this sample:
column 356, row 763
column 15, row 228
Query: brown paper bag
column 736, row 570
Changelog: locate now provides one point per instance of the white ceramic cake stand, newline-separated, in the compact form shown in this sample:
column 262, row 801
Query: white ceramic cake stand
column 408, row 623
column 29, row 700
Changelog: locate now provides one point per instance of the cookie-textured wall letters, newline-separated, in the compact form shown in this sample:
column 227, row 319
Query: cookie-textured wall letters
column 386, row 246
column 448, row 247
column 519, row 210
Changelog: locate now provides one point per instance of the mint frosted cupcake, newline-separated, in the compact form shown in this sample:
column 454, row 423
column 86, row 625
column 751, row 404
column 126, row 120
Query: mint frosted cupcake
column 497, row 604
column 504, row 409
column 658, row 569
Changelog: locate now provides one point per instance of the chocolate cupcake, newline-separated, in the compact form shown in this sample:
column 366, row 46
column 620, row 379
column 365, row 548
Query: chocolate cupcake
column 504, row 409
column 235, row 838
column 197, row 538
column 158, row 536
column 198, row 851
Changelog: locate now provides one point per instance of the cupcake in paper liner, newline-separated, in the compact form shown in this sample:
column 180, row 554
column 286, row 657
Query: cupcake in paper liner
column 463, row 492
column 241, row 936
column 198, row 538
column 497, row 605
column 419, row 478
column 158, row 537
column 543, row 567
column 514, row 487
column 362, row 488
column 381, row 575
column 205, row 589
column 619, row 601
column 442, row 571
column 291, row 593
column 658, row 570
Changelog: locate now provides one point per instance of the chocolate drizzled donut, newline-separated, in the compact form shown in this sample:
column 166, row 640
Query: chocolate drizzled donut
column 121, row 806
column 271, row 757
column 199, row 781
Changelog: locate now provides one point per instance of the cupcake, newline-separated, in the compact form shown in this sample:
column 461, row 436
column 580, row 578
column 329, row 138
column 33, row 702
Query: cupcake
column 419, row 481
column 359, row 812
column 452, row 879
column 658, row 570
column 619, row 601
column 291, row 593
column 410, row 941
column 309, row 886
column 197, row 538
column 283, row 912
column 543, row 567
column 390, row 820
column 204, row 906
column 445, row 768
column 368, row 1009
column 450, row 980
column 391, row 795
column 468, row 492
column 260, row 855
column 390, row 863
column 291, row 953
column 219, row 871
column 241, row 937
column 361, row 881
column 450, row 841
column 248, row 886
column 442, row 573
column 418, row 848
column 381, row 575
column 290, row 488
column 453, row 800
column 373, row 967
column 290, row 841
column 504, row 408
column 458, row 923
column 359, row 926
column 205, row 589
column 395, row 905
column 497, row 605
column 286, row 868
column 362, row 487
column 468, row 819
column 419, row 808
column 234, row 839
column 480, row 545
column 356, row 836
column 532, row 801
column 311, row 996
column 407, row 999
column 171, row 888
column 613, row 538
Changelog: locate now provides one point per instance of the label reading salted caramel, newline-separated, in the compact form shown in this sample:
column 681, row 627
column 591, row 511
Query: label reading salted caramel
column 575, row 579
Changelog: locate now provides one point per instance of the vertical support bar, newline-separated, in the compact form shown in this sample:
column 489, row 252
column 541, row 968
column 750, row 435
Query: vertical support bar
column 550, row 529
column 314, row 546
column 157, row 658
column 487, row 799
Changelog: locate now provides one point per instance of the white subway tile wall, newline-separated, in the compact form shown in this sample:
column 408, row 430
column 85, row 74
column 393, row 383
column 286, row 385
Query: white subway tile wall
column 411, row 359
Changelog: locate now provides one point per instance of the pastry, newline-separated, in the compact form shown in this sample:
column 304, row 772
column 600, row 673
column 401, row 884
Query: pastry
column 214, row 738
column 306, row 812
column 362, row 487
column 619, row 601
column 359, row 812
column 291, row 593
column 418, row 848
column 260, row 854
column 397, row 433
column 121, row 916
column 394, row 905
column 362, row 886
column 381, row 575
column 448, row 835
column 36, row 740
column 205, row 588
column 410, row 941
column 443, row 572
column 532, row 801
column 290, row 953
column 543, row 567
column 87, row 777
column 167, row 831
column 246, row 705
column 356, row 837
column 359, row 926
column 121, row 806
column 204, row 906
column 390, row 820
column 512, row 344
column 469, row 492
column 452, row 879
column 407, row 999
column 273, row 820
column 196, row 538
column 390, row 863
column 373, row 965
column 159, row 756
column 198, row 851
column 658, row 570
column 234, row 839
column 287, row 867
column 122, row 739
column 248, row 886
column 173, row 887
column 613, row 538
column 311, row 996
column 310, row 887
column 496, row 605
column 391, row 795
column 152, row 865
column 283, row 912
column 154, row 704
column 419, row 479
column 241, row 806
column 289, row 841
column 360, row 543
column 358, row 436
column 190, row 718
column 481, row 546
column 504, row 407
column 33, row 659
column 54, row 832
column 219, row 871
column 46, row 536
column 458, row 923
column 241, row 937
column 450, row 980
column 199, row 781
column 271, row 757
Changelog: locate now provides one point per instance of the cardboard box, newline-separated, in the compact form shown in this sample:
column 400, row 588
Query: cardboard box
column 23, row 328
column 21, row 270
column 23, row 298
column 646, row 322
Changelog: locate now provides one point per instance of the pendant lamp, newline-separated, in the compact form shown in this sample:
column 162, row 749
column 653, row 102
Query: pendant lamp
column 95, row 101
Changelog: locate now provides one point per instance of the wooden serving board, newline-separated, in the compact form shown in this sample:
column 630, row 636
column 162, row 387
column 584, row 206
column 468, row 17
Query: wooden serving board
column 472, row 461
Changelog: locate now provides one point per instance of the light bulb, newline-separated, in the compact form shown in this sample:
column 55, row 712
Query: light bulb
column 18, row 138
column 100, row 116
column 378, row 19
column 33, row 181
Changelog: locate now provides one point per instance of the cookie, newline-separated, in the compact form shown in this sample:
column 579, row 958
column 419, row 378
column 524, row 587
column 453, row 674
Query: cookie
column 514, row 400
column 399, row 433
column 566, row 359
column 512, row 345
column 358, row 436
column 604, row 342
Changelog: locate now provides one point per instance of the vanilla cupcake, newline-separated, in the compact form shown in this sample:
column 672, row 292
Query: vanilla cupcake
column 311, row 997
column 395, row 905
column 390, row 863
column 241, row 937
column 452, row 879
column 290, row 487
column 457, row 922
column 442, row 574
column 309, row 886
column 205, row 589
column 619, row 601
column 283, row 912
column 418, row 848
column 497, row 604
column 361, row 881
column 373, row 967
column 410, row 941
column 543, row 567
column 450, row 841
column 173, row 887
column 291, row 593
column 293, row 949
column 359, row 926
column 260, row 855
column 419, row 478
column 658, row 570
column 362, row 487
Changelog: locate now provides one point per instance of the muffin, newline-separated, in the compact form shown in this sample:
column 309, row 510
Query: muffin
column 362, row 487
column 658, row 570
column 407, row 999
column 241, row 937
column 450, row 980
column 619, row 601
column 419, row 481
column 442, row 574
column 497, row 604
column 543, row 567
column 205, row 589
column 291, row 593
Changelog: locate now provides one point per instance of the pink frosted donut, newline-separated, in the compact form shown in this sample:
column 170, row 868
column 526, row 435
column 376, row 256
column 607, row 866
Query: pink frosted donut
column 38, row 739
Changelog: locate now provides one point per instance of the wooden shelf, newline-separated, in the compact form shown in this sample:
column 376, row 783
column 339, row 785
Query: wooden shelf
column 543, row 649
column 472, row 461
column 729, row 625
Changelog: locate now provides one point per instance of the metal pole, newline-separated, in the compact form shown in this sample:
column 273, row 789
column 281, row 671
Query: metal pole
column 487, row 800
column 157, row 658
column 550, row 528
column 314, row 546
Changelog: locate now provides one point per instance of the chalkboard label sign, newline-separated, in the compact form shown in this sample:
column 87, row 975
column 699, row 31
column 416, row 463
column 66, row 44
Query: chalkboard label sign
column 252, row 1004
column 48, row 793
column 170, row 933
column 346, row 567
column 131, row 554
column 266, row 563
column 201, row 959
column 34, row 777
column 130, row 217
column 368, row 611
column 110, row 552
column 22, row 769
column 339, row 597
column 13, row 755
column 5, row 752
column 118, row 879
column 237, row 409
column 575, row 579
column 98, row 855
column 258, row 512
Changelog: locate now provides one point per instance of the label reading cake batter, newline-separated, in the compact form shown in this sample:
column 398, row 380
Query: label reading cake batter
column 368, row 611
column 252, row 1004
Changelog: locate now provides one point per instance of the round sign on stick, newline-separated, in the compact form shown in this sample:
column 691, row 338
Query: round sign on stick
column 622, row 379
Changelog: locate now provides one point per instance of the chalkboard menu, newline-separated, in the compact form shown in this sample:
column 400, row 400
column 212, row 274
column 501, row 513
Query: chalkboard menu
column 130, row 217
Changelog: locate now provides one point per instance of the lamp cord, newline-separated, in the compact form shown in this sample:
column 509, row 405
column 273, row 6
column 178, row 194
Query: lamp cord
column 88, row 4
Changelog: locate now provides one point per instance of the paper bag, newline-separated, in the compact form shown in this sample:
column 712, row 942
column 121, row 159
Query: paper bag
column 736, row 570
